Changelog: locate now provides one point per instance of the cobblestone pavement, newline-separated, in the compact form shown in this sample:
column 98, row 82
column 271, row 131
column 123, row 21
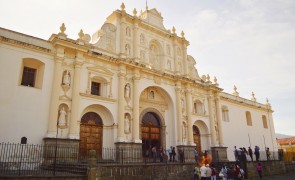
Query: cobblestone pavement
column 288, row 176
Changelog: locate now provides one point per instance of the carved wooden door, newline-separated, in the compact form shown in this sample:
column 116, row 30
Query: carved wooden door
column 91, row 135
column 197, row 139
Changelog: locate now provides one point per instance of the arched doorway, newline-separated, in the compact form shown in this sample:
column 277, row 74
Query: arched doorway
column 91, row 134
column 150, row 133
column 197, row 138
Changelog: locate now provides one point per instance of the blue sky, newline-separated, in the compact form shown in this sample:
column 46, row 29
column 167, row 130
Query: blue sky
column 247, row 43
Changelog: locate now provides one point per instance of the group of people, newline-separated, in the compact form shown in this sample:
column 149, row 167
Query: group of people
column 241, row 153
column 162, row 155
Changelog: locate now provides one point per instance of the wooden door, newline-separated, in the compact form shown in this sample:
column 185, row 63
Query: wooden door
column 197, row 139
column 150, row 133
column 91, row 134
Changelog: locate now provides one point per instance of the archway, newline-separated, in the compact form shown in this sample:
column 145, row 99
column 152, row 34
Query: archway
column 150, row 132
column 197, row 138
column 91, row 134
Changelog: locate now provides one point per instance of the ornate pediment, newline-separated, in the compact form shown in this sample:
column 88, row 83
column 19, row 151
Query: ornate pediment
column 100, row 70
column 153, row 17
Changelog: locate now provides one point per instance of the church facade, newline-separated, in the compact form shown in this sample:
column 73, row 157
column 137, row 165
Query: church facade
column 131, row 84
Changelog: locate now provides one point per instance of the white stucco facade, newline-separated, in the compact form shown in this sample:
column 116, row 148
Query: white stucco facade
column 132, row 66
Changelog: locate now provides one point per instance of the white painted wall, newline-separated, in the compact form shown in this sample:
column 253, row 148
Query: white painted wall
column 23, row 110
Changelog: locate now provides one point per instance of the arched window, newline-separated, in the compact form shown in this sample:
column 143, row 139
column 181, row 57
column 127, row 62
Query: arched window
column 199, row 107
column 32, row 73
column 225, row 116
column 264, row 121
column 248, row 118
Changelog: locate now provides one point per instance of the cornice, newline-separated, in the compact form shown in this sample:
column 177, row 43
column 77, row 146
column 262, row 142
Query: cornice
column 94, row 97
column 24, row 45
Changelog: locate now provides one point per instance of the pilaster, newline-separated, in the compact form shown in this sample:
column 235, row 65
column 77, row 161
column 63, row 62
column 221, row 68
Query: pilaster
column 74, row 122
column 219, row 125
column 121, row 75
column 135, row 126
column 135, row 40
column 57, row 79
column 188, row 96
column 179, row 113
column 176, row 68
column 211, row 119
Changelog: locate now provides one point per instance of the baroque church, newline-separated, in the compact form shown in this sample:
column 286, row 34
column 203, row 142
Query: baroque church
column 130, row 84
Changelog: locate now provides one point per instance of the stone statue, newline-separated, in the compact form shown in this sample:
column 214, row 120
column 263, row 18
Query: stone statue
column 127, row 91
column 66, row 79
column 126, row 124
column 62, row 117
column 183, row 131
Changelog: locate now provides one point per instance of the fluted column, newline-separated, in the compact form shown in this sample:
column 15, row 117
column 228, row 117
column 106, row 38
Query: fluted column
column 179, row 114
column 211, row 119
column 57, row 79
column 74, row 123
column 218, row 116
column 188, row 97
column 135, row 131
column 121, row 136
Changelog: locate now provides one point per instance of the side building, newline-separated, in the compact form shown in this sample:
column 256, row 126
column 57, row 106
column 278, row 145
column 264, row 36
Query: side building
column 132, row 84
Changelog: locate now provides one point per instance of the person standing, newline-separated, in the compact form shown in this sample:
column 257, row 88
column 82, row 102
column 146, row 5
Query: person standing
column 267, row 154
column 250, row 153
column 173, row 154
column 259, row 170
column 203, row 172
column 208, row 172
column 196, row 153
column 236, row 153
column 196, row 173
column 154, row 151
column 161, row 152
column 170, row 153
column 214, row 173
column 224, row 172
column 257, row 153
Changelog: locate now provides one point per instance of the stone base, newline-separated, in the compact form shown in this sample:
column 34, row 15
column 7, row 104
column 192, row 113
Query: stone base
column 55, row 147
column 128, row 151
column 188, row 152
column 219, row 154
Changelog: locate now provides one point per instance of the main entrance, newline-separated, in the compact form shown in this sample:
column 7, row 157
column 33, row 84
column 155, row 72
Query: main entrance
column 197, row 139
column 150, row 133
column 90, row 134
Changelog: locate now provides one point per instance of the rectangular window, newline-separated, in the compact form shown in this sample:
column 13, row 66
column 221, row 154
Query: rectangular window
column 95, row 88
column 29, row 76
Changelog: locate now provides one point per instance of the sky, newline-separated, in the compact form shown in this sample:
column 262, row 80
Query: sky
column 247, row 43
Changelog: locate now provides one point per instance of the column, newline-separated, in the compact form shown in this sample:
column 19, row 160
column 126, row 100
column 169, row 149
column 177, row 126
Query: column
column 122, row 35
column 179, row 114
column 188, row 97
column 135, row 125
column 135, row 41
column 175, row 57
column 57, row 79
column 218, row 116
column 211, row 120
column 121, row 75
column 73, row 132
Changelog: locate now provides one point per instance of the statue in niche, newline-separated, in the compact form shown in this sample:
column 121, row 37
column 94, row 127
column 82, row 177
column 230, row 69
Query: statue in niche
column 152, row 95
column 126, row 124
column 141, row 39
column 127, row 91
column 67, row 78
column 62, row 117
column 127, row 50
